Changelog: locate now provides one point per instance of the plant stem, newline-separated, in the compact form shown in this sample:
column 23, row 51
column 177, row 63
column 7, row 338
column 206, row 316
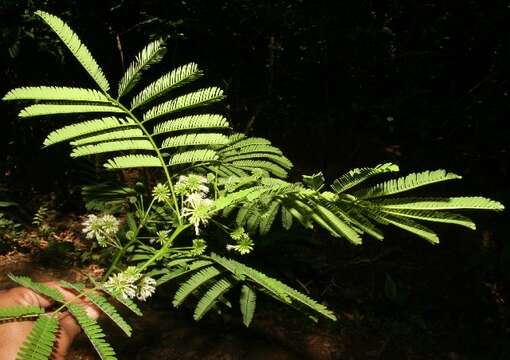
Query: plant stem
column 57, row 310
column 118, row 255
column 158, row 153
column 164, row 249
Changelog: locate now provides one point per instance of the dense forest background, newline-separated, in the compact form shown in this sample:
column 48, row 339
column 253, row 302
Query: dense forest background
column 336, row 85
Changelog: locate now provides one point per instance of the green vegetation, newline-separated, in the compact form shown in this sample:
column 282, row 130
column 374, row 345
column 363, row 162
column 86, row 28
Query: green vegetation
column 210, row 180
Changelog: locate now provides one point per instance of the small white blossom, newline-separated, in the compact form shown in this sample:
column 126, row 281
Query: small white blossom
column 146, row 288
column 244, row 242
column 161, row 193
column 197, row 209
column 123, row 283
column 101, row 228
column 191, row 184
column 199, row 246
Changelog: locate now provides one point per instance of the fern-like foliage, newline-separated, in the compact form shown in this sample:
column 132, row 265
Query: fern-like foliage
column 39, row 288
column 193, row 283
column 130, row 138
column 60, row 109
column 193, row 122
column 55, row 93
column 111, row 146
column 185, row 102
column 86, row 128
column 193, row 156
column 211, row 297
column 245, row 274
column 242, row 156
column 39, row 343
column 247, row 303
column 102, row 304
column 151, row 54
column 258, row 200
column 132, row 161
column 93, row 331
column 409, row 182
column 128, row 303
column 174, row 79
column 16, row 312
column 357, row 176
column 77, row 48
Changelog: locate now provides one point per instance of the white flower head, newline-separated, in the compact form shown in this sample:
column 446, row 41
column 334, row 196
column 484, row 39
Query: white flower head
column 161, row 193
column 197, row 209
column 199, row 246
column 192, row 183
column 146, row 288
column 123, row 283
column 101, row 228
column 244, row 242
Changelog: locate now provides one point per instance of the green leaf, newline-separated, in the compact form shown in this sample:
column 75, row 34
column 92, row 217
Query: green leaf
column 103, row 305
column 172, row 80
column 56, row 93
column 59, row 109
column 77, row 48
column 39, row 288
column 15, row 312
column 110, row 135
column 151, row 54
column 357, row 176
column 286, row 218
column 211, row 297
column 333, row 217
column 39, row 343
column 132, row 161
column 193, row 283
column 434, row 216
column 413, row 227
column 93, row 331
column 267, row 218
column 252, row 165
column 193, row 156
column 452, row 203
column 274, row 287
column 189, row 101
column 194, row 140
column 87, row 128
column 247, row 302
column 112, row 146
column 193, row 122
column 402, row 184
column 315, row 181
column 128, row 303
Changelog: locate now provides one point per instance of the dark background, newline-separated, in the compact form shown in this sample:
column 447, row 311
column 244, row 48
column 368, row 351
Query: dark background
column 336, row 85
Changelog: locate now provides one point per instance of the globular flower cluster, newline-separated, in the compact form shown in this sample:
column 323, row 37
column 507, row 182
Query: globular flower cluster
column 130, row 284
column 161, row 193
column 196, row 206
column 102, row 228
column 198, row 248
column 244, row 244
column 197, row 209
column 190, row 184
column 146, row 288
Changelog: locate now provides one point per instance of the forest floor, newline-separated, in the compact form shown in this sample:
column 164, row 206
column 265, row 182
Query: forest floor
column 368, row 329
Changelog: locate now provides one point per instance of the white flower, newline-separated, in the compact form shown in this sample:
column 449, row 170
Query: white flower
column 197, row 209
column 244, row 242
column 161, row 193
column 191, row 184
column 199, row 246
column 146, row 288
column 101, row 228
column 123, row 283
